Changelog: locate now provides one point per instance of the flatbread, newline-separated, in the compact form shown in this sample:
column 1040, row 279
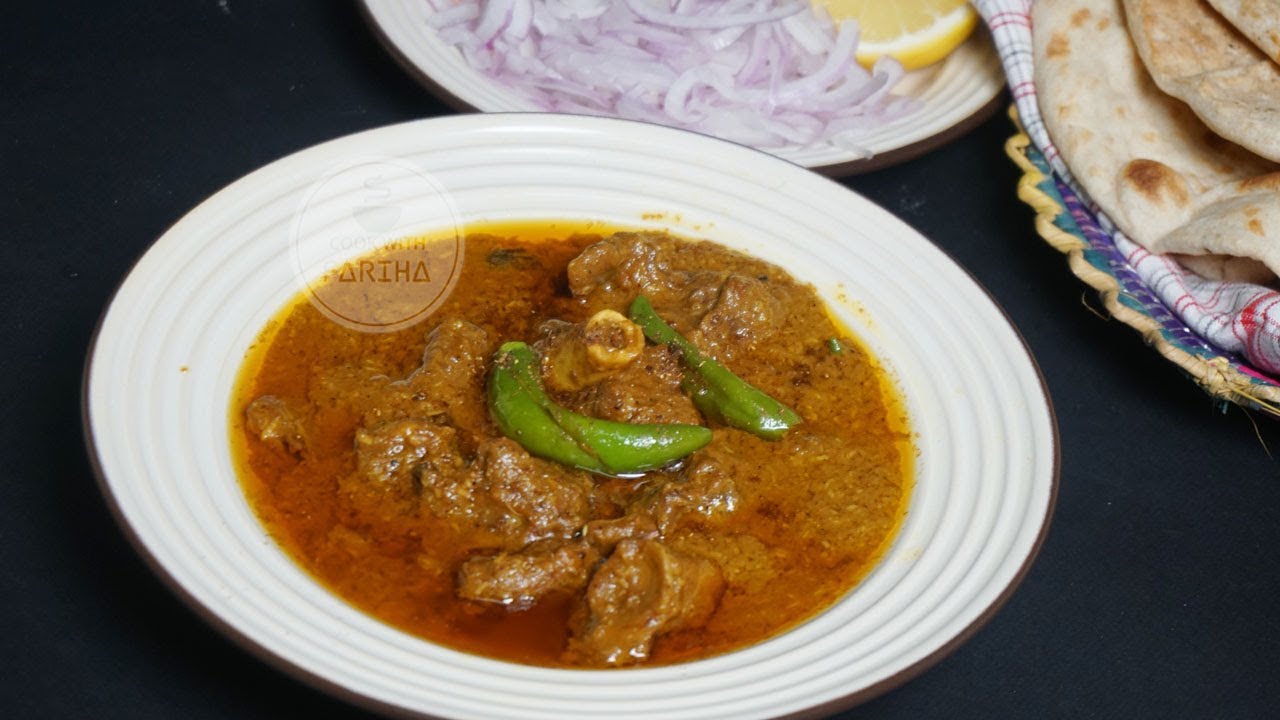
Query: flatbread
column 1147, row 161
column 1195, row 55
column 1258, row 20
column 1226, row 268
column 1243, row 221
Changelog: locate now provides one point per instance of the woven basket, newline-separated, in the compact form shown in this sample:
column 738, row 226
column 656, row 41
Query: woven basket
column 1064, row 221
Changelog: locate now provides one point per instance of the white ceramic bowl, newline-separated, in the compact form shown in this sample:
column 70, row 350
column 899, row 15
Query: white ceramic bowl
column 957, row 93
column 168, row 348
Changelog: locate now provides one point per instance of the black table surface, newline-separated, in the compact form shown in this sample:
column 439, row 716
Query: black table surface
column 1156, row 593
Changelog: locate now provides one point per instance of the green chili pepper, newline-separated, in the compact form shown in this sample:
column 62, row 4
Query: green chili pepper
column 525, row 413
column 718, row 393
column 835, row 346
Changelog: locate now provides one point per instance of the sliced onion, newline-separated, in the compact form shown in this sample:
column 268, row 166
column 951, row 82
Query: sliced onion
column 646, row 10
column 494, row 17
column 768, row 73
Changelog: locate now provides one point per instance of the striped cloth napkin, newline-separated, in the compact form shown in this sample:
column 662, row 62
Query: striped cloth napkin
column 1234, row 317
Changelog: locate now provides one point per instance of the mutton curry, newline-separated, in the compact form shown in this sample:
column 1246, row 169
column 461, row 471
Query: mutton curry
column 603, row 449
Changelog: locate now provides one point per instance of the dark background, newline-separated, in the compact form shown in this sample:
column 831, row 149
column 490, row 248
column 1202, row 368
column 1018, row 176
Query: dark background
column 1156, row 594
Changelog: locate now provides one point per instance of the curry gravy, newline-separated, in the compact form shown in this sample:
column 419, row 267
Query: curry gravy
column 816, row 509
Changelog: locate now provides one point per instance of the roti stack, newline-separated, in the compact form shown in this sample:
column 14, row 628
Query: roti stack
column 1170, row 120
column 1195, row 55
column 1259, row 20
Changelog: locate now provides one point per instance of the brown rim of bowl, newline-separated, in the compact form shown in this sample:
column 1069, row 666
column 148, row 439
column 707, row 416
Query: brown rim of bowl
column 356, row 699
column 849, row 168
column 297, row 672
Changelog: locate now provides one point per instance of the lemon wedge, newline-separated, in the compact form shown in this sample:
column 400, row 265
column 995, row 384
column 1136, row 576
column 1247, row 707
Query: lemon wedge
column 916, row 32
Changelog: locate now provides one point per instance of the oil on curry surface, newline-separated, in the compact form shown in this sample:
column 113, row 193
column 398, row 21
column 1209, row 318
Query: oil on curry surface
column 387, row 465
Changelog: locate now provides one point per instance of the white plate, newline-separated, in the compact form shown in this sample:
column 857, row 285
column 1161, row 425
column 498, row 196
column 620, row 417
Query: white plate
column 958, row 93
column 161, row 371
